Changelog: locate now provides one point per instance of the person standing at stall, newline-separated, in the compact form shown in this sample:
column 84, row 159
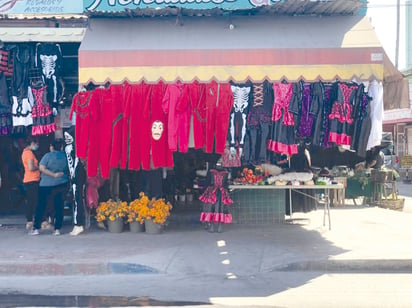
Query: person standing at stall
column 282, row 161
column 374, row 158
column 31, row 178
column 53, row 186
column 300, row 163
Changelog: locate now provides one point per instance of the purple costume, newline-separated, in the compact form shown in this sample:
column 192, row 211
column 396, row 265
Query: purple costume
column 306, row 118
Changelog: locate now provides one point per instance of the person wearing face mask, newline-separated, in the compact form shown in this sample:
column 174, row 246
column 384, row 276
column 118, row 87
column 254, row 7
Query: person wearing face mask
column 53, row 186
column 31, row 178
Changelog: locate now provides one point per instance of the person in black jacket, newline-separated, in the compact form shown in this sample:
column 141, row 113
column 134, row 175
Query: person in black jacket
column 374, row 158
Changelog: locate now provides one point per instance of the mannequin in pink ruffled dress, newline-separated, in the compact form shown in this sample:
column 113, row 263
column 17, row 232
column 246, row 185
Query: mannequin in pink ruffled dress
column 216, row 201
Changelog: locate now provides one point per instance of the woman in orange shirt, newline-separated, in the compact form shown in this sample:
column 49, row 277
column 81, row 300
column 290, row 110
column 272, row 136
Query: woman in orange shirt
column 31, row 178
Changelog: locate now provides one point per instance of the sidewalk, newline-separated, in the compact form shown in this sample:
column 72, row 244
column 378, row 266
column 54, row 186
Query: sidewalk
column 362, row 239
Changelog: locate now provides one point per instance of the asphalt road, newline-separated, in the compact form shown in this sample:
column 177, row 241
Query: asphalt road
column 276, row 289
column 404, row 189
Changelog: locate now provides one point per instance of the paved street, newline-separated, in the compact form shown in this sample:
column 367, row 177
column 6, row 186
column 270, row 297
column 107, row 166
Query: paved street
column 364, row 261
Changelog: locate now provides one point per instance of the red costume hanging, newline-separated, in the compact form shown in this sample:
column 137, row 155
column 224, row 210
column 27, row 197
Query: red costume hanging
column 139, row 122
column 155, row 152
column 84, row 108
column 160, row 152
column 100, row 138
column 197, row 100
column 117, row 125
column 184, row 111
column 178, row 116
column 219, row 102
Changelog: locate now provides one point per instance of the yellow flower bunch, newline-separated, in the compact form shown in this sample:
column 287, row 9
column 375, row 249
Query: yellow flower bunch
column 111, row 209
column 155, row 209
column 136, row 206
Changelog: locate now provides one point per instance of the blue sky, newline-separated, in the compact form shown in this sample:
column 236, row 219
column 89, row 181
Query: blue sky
column 382, row 14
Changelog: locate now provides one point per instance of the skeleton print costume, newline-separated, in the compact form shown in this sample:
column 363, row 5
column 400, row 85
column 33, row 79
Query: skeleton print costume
column 49, row 57
column 238, row 116
column 78, row 179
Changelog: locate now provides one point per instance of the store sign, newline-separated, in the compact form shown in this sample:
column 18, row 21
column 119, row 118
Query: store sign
column 121, row 5
column 406, row 161
column 53, row 7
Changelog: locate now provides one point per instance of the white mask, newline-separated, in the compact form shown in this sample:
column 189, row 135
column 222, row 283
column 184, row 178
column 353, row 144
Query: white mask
column 68, row 139
column 157, row 130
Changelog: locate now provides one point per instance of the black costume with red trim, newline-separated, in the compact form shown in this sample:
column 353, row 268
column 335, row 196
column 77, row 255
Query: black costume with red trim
column 282, row 139
column 341, row 115
column 216, row 199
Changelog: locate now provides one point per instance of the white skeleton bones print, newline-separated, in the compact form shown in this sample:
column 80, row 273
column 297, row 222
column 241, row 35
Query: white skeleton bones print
column 49, row 56
column 48, row 65
column 241, row 98
column 240, row 104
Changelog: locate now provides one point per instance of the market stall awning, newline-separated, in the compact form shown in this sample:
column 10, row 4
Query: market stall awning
column 237, row 48
column 41, row 34
column 395, row 87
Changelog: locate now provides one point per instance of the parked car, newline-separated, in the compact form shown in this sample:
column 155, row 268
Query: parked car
column 391, row 160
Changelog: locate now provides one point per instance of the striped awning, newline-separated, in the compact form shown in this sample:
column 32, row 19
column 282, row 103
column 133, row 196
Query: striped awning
column 239, row 49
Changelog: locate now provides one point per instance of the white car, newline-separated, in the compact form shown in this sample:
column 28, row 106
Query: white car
column 390, row 160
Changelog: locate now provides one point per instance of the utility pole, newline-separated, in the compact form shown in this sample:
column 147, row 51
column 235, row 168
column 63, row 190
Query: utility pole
column 398, row 13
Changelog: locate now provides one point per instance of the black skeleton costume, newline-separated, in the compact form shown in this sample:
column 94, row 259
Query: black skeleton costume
column 238, row 116
column 78, row 179
column 21, row 107
column 48, row 58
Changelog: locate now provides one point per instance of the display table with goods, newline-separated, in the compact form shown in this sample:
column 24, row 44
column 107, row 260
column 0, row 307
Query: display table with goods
column 357, row 182
column 372, row 185
column 263, row 202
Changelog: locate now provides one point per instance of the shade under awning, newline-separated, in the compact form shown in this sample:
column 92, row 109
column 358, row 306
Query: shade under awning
column 206, row 48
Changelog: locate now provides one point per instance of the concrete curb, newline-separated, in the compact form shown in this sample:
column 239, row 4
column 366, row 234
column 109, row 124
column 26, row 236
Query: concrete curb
column 68, row 269
column 337, row 266
column 358, row 266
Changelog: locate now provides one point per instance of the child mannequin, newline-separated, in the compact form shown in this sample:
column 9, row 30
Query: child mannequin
column 216, row 200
